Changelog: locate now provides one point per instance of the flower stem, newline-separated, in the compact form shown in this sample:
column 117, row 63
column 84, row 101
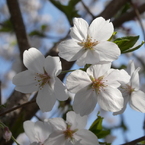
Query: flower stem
column 15, row 140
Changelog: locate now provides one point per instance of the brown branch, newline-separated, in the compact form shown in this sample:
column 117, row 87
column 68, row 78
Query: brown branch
column 112, row 8
column 128, row 16
column 0, row 93
column 134, row 142
column 18, row 25
column 17, row 107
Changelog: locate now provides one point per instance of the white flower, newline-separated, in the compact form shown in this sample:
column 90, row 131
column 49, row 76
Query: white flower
column 41, row 77
column 37, row 132
column 71, row 131
column 131, row 92
column 89, row 44
column 98, row 84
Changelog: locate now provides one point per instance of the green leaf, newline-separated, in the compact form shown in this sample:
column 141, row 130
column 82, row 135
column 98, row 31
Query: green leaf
column 37, row 33
column 135, row 48
column 97, row 128
column 3, row 106
column 6, row 26
column 44, row 27
column 104, row 143
column 68, row 10
column 126, row 43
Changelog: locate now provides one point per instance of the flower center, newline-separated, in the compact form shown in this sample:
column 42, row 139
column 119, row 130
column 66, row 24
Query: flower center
column 127, row 89
column 68, row 133
column 88, row 44
column 97, row 84
column 42, row 79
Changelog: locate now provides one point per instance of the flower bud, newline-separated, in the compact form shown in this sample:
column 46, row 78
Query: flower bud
column 7, row 134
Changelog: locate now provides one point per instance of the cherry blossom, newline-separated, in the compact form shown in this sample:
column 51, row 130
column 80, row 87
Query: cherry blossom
column 41, row 77
column 37, row 132
column 89, row 44
column 71, row 131
column 131, row 92
column 99, row 84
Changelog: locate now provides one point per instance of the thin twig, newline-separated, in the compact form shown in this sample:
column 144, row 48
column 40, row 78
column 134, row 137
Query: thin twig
column 17, row 107
column 138, row 17
column 87, row 9
column 134, row 142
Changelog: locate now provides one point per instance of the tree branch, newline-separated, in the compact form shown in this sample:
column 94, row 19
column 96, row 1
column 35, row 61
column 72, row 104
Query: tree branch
column 134, row 142
column 128, row 16
column 112, row 8
column 18, row 25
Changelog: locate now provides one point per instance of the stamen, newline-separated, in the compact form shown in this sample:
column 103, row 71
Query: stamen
column 42, row 79
column 97, row 84
column 127, row 89
column 68, row 133
column 88, row 44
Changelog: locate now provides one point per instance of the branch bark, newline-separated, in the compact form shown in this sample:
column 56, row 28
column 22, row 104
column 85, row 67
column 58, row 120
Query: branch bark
column 134, row 142
column 18, row 25
column 128, row 16
column 112, row 8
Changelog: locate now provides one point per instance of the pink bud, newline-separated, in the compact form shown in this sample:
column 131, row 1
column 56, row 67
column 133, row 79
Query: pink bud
column 7, row 134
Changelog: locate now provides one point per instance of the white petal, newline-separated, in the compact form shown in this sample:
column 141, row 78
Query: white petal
column 130, row 68
column 135, row 79
column 27, row 88
column 42, row 130
column 108, row 51
column 52, row 65
column 46, row 98
column 110, row 99
column 56, row 138
column 35, row 143
column 80, row 29
column 69, row 50
column 77, row 121
column 33, row 60
column 86, row 137
column 88, row 57
column 100, row 29
column 77, row 80
column 25, row 82
column 29, row 130
column 84, row 101
column 126, row 100
column 137, row 101
column 81, row 61
column 60, row 90
column 98, row 69
column 24, row 78
column 123, row 76
column 114, row 77
column 58, row 124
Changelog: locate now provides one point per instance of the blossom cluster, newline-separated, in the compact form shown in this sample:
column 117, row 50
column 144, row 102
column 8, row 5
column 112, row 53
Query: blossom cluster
column 96, row 83
column 56, row 131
